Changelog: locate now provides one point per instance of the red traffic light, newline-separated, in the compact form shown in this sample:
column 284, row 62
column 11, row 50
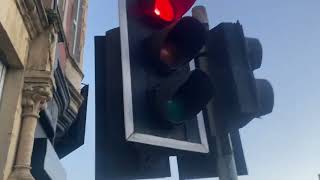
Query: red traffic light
column 166, row 11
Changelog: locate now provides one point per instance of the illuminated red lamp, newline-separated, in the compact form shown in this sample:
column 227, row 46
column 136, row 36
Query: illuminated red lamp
column 171, row 10
column 164, row 10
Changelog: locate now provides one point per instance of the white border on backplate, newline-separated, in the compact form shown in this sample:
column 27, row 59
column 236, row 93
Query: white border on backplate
column 127, row 101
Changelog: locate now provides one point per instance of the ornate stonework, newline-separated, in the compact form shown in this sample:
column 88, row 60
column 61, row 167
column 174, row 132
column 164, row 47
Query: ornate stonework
column 34, row 99
column 38, row 81
column 34, row 16
column 35, row 96
column 28, row 31
column 42, row 51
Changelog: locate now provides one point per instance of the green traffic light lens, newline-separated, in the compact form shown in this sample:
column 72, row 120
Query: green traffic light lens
column 174, row 112
column 180, row 100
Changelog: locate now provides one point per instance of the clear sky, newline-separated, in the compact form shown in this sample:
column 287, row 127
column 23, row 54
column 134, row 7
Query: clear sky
column 284, row 145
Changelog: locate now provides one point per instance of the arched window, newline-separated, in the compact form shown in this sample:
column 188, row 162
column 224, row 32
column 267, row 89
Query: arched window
column 2, row 75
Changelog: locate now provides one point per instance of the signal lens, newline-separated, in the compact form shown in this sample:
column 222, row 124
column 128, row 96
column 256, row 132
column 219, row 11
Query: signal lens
column 164, row 9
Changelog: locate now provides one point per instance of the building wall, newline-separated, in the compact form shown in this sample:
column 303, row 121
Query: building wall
column 70, row 53
column 14, row 35
column 74, row 18
column 16, row 43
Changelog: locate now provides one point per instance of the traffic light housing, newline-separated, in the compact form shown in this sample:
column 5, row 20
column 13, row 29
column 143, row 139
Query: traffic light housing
column 239, row 97
column 155, row 94
column 163, row 96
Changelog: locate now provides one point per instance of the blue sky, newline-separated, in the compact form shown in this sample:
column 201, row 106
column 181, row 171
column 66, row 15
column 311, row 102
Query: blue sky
column 284, row 145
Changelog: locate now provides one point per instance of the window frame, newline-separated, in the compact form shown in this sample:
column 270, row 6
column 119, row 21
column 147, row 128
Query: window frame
column 3, row 70
column 75, row 23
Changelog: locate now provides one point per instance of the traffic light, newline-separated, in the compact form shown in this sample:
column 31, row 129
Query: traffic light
column 163, row 96
column 239, row 97
column 149, row 100
column 150, row 93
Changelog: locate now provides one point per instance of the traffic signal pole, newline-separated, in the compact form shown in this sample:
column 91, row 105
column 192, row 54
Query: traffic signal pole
column 225, row 158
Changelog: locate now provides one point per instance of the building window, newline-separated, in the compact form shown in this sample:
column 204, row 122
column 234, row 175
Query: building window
column 2, row 76
column 76, row 26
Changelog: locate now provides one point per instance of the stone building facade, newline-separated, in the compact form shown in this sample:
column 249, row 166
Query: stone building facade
column 42, row 100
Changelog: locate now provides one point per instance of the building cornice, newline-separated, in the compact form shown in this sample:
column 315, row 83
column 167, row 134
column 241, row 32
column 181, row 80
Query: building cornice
column 68, row 100
column 75, row 94
column 34, row 16
column 75, row 65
